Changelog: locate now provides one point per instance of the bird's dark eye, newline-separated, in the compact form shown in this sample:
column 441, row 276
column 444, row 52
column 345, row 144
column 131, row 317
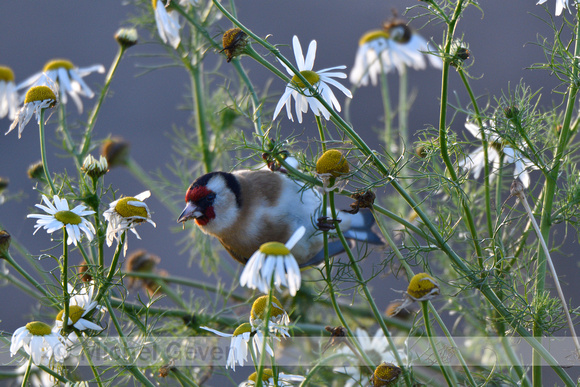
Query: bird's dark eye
column 210, row 197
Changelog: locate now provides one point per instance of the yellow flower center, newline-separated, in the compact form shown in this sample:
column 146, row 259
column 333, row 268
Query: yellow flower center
column 38, row 328
column 266, row 374
column 154, row 3
column 260, row 308
column 245, row 327
column 127, row 210
column 310, row 76
column 274, row 248
column 6, row 74
column 421, row 285
column 333, row 162
column 57, row 64
column 67, row 217
column 75, row 312
column 373, row 35
column 39, row 93
column 385, row 374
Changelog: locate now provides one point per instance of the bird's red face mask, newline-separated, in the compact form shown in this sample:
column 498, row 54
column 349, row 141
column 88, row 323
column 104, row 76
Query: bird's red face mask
column 199, row 206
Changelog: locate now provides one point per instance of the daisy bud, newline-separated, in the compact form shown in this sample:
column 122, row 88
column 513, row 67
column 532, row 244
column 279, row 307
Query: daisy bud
column 3, row 183
column 422, row 287
column 460, row 53
column 94, row 168
column 116, row 151
column 511, row 112
column 126, row 37
column 234, row 42
column 5, row 239
column 6, row 74
column 517, row 188
column 398, row 31
column 140, row 261
column 385, row 375
column 394, row 310
column 82, row 270
column 421, row 152
column 332, row 162
column 36, row 171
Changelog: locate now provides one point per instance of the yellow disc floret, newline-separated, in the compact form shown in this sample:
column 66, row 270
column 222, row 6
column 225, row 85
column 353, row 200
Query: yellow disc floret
column 260, row 308
column 127, row 210
column 332, row 162
column 274, row 248
column 244, row 328
column 6, row 74
column 266, row 375
column 75, row 313
column 373, row 35
column 39, row 93
column 67, row 217
column 385, row 375
column 422, row 287
column 310, row 76
column 38, row 328
column 57, row 64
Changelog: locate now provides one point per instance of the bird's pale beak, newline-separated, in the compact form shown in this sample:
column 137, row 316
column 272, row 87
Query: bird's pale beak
column 190, row 211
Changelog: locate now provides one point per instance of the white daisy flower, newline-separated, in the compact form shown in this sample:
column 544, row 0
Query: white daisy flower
column 376, row 348
column 284, row 380
column 59, row 216
column 239, row 343
column 126, row 213
column 8, row 94
column 395, row 46
column 40, row 342
column 68, row 77
column 320, row 80
column 279, row 320
column 81, row 303
column 275, row 260
column 167, row 23
column 36, row 99
column 475, row 161
column 560, row 6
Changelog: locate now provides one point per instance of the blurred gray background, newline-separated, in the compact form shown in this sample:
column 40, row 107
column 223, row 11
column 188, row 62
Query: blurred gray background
column 144, row 109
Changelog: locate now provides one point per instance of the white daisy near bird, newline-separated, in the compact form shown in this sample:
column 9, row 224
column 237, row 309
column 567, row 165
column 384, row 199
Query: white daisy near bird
column 126, row 213
column 8, row 95
column 167, row 23
column 61, row 216
column 274, row 264
column 278, row 322
column 475, row 161
column 320, row 80
column 40, row 342
column 284, row 380
column 68, row 77
column 37, row 98
column 560, row 6
column 240, row 339
column 376, row 348
column 81, row 303
column 394, row 46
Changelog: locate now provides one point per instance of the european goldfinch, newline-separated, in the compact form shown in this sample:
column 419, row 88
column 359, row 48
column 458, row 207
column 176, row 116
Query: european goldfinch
column 248, row 208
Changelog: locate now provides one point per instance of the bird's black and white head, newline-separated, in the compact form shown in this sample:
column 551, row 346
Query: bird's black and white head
column 213, row 201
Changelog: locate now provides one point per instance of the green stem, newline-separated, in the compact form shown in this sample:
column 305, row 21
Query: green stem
column 112, row 269
column 200, row 120
column 97, row 108
column 27, row 374
column 388, row 135
column 403, row 110
column 549, row 191
column 43, row 153
column 444, row 369
column 486, row 170
column 321, row 133
column 186, row 282
column 64, row 280
column 256, row 105
column 30, row 279
column 355, row 267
